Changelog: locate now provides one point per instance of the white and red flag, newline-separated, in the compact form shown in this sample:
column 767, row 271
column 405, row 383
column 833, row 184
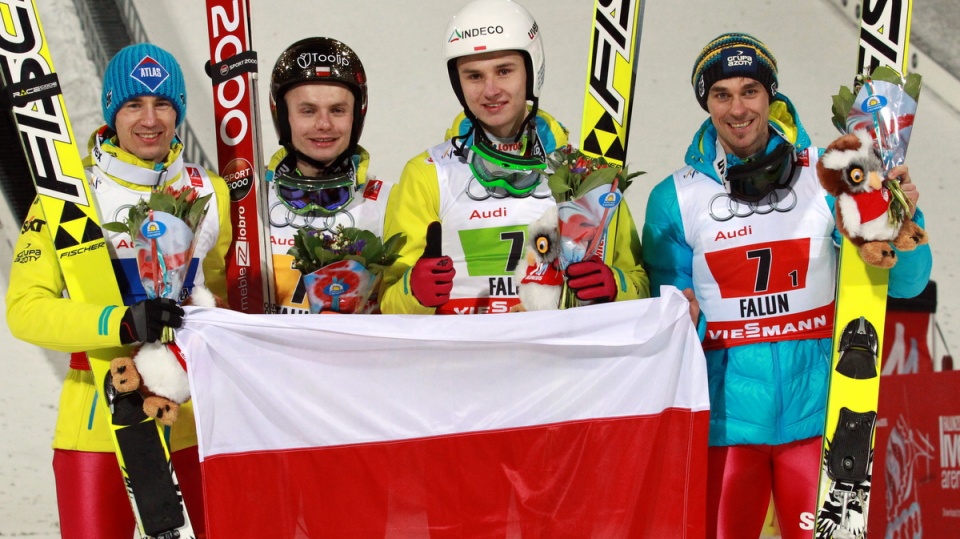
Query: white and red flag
column 588, row 422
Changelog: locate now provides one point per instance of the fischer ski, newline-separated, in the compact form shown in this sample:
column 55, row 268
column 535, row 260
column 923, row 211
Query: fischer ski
column 611, row 76
column 233, row 69
column 847, row 451
column 33, row 97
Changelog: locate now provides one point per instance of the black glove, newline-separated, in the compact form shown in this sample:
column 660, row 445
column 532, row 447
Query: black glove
column 144, row 321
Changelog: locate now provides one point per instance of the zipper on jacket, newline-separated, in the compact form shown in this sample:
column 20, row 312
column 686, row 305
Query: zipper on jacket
column 778, row 391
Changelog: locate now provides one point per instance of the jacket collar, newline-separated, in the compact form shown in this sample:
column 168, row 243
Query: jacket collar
column 118, row 163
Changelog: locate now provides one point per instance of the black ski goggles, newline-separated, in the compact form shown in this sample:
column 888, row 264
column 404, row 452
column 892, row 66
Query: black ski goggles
column 754, row 180
column 315, row 196
column 494, row 169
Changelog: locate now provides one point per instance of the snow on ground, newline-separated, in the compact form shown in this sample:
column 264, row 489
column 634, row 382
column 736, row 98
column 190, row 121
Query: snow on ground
column 411, row 105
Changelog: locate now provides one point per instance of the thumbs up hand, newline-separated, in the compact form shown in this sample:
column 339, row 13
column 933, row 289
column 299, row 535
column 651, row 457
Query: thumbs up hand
column 431, row 278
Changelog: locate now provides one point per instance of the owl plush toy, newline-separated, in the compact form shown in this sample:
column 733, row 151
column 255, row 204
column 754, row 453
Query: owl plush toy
column 539, row 280
column 851, row 170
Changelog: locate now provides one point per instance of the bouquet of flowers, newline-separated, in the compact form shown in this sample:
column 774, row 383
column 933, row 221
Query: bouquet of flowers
column 587, row 190
column 342, row 271
column 163, row 229
column 884, row 104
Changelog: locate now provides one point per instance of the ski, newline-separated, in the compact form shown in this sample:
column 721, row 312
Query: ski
column 849, row 430
column 611, row 76
column 33, row 97
column 233, row 70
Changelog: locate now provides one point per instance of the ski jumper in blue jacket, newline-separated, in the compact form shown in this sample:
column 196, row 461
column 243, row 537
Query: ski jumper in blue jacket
column 768, row 354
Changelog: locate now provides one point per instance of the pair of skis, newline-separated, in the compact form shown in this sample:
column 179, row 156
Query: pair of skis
column 33, row 97
column 849, row 433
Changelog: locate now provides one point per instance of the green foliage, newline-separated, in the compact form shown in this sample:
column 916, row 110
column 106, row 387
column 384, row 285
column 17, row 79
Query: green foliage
column 843, row 100
column 575, row 174
column 184, row 204
column 313, row 250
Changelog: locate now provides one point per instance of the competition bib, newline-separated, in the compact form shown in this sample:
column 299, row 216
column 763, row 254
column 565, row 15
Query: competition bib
column 763, row 272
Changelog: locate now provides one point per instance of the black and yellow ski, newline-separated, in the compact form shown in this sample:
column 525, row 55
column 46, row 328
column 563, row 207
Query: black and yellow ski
column 611, row 76
column 847, row 453
column 33, row 96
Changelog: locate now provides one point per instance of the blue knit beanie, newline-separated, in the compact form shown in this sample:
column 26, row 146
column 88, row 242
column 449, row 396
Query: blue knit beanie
column 139, row 70
column 733, row 55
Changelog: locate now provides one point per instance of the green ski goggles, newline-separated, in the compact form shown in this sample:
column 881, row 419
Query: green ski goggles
column 494, row 169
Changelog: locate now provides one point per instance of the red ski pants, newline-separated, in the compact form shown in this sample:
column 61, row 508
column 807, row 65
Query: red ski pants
column 741, row 477
column 93, row 502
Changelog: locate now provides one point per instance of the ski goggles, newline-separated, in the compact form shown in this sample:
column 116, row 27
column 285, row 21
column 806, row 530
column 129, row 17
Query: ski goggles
column 315, row 196
column 754, row 180
column 495, row 169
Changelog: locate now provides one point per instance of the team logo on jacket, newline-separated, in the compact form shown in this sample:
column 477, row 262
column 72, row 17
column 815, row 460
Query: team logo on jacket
column 32, row 225
column 372, row 190
column 195, row 179
column 149, row 73
column 28, row 254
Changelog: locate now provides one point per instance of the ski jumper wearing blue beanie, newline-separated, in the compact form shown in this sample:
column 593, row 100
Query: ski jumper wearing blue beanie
column 140, row 70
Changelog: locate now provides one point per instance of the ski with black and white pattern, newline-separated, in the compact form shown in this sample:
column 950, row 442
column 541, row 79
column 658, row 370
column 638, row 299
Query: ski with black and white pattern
column 33, row 97
column 843, row 499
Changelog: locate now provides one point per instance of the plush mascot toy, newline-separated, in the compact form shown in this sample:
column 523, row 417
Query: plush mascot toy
column 157, row 371
column 540, row 280
column 872, row 215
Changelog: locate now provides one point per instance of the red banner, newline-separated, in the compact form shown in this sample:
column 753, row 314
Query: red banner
column 916, row 481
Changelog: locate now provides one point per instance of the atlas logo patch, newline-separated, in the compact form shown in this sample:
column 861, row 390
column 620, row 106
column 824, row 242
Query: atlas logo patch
column 149, row 73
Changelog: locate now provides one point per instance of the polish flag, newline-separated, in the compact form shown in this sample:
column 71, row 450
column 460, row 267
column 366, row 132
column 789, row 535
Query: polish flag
column 322, row 71
column 589, row 422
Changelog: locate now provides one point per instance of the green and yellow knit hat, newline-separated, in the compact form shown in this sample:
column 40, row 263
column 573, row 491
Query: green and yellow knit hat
column 733, row 55
column 139, row 70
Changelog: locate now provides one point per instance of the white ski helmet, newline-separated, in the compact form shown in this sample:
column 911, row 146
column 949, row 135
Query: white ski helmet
column 494, row 25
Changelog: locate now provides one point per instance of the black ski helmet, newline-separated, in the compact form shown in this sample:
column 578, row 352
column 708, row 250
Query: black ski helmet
column 317, row 59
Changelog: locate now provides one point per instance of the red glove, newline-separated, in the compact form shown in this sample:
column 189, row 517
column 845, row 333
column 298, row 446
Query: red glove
column 431, row 278
column 592, row 280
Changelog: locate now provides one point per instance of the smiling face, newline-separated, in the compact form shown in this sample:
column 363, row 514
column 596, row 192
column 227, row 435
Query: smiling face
column 495, row 89
column 739, row 108
column 145, row 127
column 321, row 121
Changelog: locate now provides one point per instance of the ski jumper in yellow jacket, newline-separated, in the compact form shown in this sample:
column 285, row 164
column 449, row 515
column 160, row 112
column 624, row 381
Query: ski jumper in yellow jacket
column 40, row 311
column 484, row 232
